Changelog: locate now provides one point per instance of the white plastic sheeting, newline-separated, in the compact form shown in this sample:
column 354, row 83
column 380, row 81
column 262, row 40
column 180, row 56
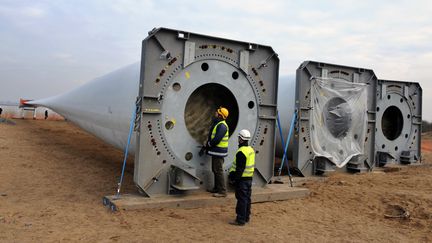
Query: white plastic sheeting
column 338, row 119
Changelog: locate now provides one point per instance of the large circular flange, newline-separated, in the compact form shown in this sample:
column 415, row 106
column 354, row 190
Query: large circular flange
column 203, row 86
column 393, row 123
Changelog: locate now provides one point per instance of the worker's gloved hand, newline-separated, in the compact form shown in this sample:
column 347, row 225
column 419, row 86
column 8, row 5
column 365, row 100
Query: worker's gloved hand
column 232, row 182
column 202, row 150
column 231, row 179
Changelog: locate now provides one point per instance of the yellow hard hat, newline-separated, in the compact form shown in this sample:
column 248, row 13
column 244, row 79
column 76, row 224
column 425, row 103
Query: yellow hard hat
column 222, row 111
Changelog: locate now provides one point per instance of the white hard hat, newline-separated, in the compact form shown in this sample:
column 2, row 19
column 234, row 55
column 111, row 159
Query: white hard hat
column 245, row 135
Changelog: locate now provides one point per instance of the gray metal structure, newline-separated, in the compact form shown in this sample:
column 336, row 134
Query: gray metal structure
column 398, row 122
column 305, row 160
column 185, row 77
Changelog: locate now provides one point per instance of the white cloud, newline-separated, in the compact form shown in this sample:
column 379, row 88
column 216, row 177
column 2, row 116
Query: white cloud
column 63, row 57
column 254, row 7
column 17, row 12
column 133, row 7
column 32, row 12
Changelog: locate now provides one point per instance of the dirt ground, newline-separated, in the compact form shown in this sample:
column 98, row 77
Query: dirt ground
column 53, row 177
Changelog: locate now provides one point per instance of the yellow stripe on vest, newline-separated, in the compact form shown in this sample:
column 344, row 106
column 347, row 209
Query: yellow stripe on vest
column 224, row 141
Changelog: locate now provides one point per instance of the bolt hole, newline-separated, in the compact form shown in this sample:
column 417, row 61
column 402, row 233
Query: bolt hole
column 204, row 66
column 401, row 100
column 251, row 104
column 377, row 108
column 235, row 75
column 388, row 96
column 176, row 86
column 188, row 156
column 408, row 116
column 169, row 125
column 383, row 146
column 396, row 148
column 406, row 135
column 355, row 136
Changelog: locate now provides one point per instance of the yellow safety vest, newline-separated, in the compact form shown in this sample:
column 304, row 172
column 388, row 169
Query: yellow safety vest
column 249, row 153
column 224, row 141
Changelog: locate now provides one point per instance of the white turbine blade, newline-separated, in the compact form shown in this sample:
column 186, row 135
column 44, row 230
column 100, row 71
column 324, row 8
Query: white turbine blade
column 102, row 107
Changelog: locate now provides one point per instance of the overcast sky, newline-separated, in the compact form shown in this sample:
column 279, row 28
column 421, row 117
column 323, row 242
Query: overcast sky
column 48, row 47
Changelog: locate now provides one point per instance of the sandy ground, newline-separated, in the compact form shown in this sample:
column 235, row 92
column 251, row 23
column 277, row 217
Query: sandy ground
column 53, row 177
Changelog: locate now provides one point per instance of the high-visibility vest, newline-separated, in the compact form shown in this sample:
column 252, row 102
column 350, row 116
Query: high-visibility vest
column 249, row 153
column 224, row 141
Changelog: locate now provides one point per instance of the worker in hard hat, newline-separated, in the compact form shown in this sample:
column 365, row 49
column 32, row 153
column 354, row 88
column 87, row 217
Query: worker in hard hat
column 217, row 147
column 240, row 175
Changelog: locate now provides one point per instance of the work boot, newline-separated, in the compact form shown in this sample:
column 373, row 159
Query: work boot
column 236, row 223
column 212, row 190
column 219, row 194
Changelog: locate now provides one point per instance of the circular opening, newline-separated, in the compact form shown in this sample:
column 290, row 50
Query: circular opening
column 377, row 108
column 176, row 86
column 392, row 123
column 401, row 100
column 188, row 156
column 383, row 146
column 406, row 135
column 251, row 104
column 337, row 117
column 169, row 125
column 408, row 116
column 235, row 75
column 201, row 107
column 204, row 66
column 355, row 136
column 388, row 96
column 396, row 148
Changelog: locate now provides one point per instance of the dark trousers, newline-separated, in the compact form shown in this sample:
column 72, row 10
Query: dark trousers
column 243, row 192
column 217, row 168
